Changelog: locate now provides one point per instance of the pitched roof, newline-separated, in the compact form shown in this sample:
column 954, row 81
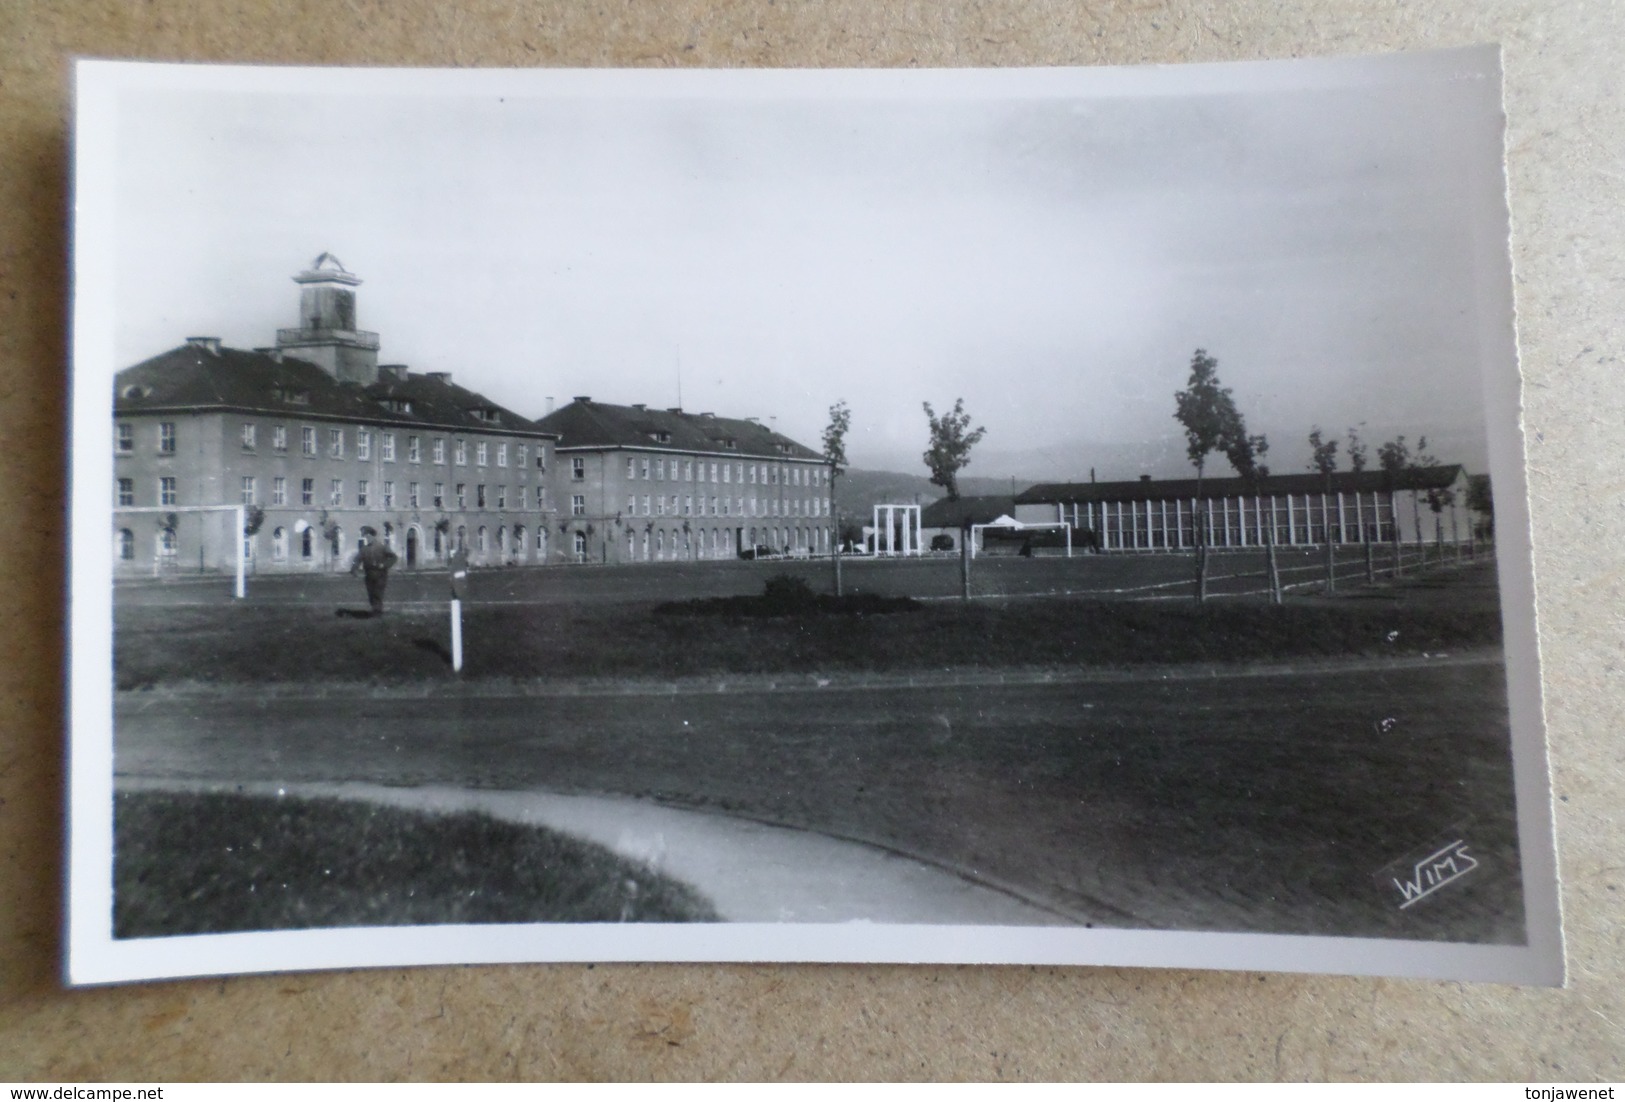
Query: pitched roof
column 1342, row 482
column 943, row 513
column 192, row 378
column 588, row 424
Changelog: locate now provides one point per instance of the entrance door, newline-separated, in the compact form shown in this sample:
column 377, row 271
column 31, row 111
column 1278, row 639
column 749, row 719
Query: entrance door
column 411, row 547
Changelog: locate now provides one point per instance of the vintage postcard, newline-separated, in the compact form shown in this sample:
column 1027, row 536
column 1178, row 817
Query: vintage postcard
column 1065, row 516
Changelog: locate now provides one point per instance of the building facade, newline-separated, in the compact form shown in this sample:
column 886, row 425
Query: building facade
column 1420, row 504
column 316, row 439
column 649, row 485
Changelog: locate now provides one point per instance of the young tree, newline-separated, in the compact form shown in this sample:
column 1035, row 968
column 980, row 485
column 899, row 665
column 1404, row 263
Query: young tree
column 840, row 420
column 1356, row 451
column 1394, row 458
column 1246, row 453
column 951, row 440
column 1212, row 424
column 1325, row 461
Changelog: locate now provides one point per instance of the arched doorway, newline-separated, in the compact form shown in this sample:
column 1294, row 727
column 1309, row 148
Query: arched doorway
column 411, row 547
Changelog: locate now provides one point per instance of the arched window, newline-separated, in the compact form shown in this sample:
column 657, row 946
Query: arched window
column 631, row 545
column 125, row 544
column 462, row 536
column 167, row 544
column 482, row 540
column 581, row 546
column 645, row 542
column 541, row 538
column 307, row 543
column 660, row 544
column 520, row 547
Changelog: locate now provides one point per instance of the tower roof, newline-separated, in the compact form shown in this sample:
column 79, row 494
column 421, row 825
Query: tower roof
column 327, row 268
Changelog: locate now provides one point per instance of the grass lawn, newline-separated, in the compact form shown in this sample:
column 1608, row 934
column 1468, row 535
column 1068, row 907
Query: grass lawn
column 188, row 863
column 257, row 644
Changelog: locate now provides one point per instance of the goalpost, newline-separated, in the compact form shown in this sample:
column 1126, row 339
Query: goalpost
column 240, row 590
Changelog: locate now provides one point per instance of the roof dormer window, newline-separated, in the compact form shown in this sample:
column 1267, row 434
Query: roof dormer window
column 660, row 436
column 294, row 396
column 396, row 405
column 136, row 393
column 488, row 414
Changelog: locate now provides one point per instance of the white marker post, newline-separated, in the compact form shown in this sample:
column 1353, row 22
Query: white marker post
column 459, row 579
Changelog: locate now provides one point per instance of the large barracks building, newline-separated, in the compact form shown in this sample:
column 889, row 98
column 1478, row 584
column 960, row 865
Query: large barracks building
column 318, row 440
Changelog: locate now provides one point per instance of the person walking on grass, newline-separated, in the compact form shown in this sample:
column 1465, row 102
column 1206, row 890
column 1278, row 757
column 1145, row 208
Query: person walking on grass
column 374, row 559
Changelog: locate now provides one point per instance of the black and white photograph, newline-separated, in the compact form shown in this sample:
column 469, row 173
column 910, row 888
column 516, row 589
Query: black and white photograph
column 1061, row 516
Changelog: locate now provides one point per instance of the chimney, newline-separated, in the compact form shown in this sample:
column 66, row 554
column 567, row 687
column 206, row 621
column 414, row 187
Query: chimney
column 395, row 373
column 550, row 403
column 211, row 345
column 438, row 376
column 584, row 399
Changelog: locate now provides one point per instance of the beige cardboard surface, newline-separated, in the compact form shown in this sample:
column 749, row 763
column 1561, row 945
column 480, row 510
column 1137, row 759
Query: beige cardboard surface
column 1567, row 181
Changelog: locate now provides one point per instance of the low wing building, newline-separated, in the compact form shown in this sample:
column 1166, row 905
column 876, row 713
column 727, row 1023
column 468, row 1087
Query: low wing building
column 649, row 485
column 1420, row 504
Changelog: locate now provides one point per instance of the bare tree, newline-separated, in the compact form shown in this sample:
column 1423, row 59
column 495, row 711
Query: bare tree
column 1394, row 458
column 951, row 440
column 840, row 420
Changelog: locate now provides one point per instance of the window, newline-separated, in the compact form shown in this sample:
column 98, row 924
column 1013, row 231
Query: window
column 646, row 504
column 688, row 504
column 389, row 494
column 479, row 496
column 521, row 456
column 462, row 495
column 279, row 544
column 335, row 443
column 307, row 491
column 362, row 488
column 440, row 451
column 523, row 498
column 335, row 492
column 307, row 543
column 578, row 468
column 713, row 506
column 414, row 449
column 126, row 491
column 363, row 444
column 481, row 453
column 752, row 470
column 250, row 432
column 541, row 465
column 279, row 437
column 386, row 447
column 125, row 437
column 166, row 437
column 727, row 472
column 581, row 546
column 631, row 504
column 688, row 470
column 248, row 489
column 502, row 497
column 724, row 506
column 578, row 508
column 167, row 494
column 643, row 469
column 126, row 544
column 279, row 491
column 660, row 505
column 412, row 495
column 713, row 472
column 307, row 440
column 462, row 453
column 502, row 455
column 631, row 467
column 439, row 495
column 167, row 544
column 660, row 470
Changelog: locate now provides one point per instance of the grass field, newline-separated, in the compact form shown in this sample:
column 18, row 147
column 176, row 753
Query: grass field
column 189, row 863
column 266, row 642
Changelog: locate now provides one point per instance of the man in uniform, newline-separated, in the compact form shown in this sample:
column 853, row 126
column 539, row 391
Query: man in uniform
column 373, row 559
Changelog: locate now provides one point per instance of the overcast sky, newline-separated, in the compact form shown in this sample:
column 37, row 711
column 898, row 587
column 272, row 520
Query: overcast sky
column 1051, row 253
